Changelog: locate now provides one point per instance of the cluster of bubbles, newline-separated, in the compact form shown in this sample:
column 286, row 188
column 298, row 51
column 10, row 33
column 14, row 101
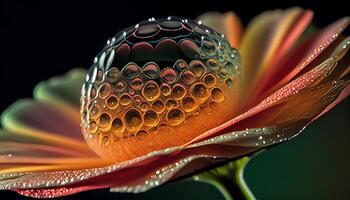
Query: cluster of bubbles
column 157, row 73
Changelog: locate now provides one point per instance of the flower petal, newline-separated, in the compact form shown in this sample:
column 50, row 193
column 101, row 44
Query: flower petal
column 267, row 39
column 45, row 122
column 228, row 24
column 65, row 90
column 302, row 55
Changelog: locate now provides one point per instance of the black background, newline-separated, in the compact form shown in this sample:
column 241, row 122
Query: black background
column 41, row 39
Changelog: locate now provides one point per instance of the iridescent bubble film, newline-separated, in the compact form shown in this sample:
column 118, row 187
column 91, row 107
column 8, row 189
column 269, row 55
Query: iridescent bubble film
column 157, row 84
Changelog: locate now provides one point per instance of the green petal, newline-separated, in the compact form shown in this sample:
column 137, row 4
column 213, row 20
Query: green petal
column 65, row 89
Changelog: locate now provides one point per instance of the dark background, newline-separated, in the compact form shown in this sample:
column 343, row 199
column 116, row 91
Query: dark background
column 41, row 39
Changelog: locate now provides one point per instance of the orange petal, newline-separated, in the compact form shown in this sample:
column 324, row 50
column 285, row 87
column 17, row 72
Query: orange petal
column 228, row 24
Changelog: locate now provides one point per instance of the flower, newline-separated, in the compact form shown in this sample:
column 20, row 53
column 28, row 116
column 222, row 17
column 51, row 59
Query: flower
column 290, row 78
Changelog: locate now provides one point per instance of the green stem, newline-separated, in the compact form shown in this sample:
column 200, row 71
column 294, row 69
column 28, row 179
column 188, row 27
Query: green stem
column 228, row 179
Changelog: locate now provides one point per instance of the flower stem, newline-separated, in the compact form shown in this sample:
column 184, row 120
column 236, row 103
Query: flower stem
column 228, row 179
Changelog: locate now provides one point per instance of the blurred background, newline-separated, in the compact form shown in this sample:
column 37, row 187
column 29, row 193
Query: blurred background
column 41, row 39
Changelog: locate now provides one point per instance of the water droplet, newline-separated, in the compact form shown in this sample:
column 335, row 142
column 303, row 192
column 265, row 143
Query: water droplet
column 229, row 82
column 158, row 106
column 168, row 75
column 151, row 70
column 209, row 80
column 212, row 64
column 217, row 95
column 165, row 89
column 179, row 91
column 180, row 65
column 112, row 75
column 199, row 91
column 208, row 47
column 175, row 116
column 125, row 99
column 105, row 120
column 112, row 102
column 120, row 87
column 130, row 71
column 133, row 120
column 105, row 90
column 197, row 67
column 118, row 127
column 150, row 118
column 144, row 106
column 171, row 103
column 93, row 127
column 137, row 84
column 187, row 77
column 95, row 110
column 188, row 104
column 151, row 91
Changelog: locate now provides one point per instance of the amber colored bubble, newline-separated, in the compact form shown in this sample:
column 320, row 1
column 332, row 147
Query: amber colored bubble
column 168, row 75
column 125, row 99
column 180, row 65
column 158, row 106
column 229, row 82
column 137, row 84
column 105, row 120
column 138, row 99
column 188, row 104
column 175, row 116
column 171, row 103
column 112, row 102
column 208, row 47
column 179, row 91
column 217, row 95
column 209, row 80
column 130, row 71
column 165, row 89
column 117, row 127
column 199, row 91
column 144, row 106
column 120, row 87
column 151, row 91
column 133, row 120
column 222, row 73
column 112, row 75
column 212, row 64
column 105, row 90
column 93, row 127
column 93, row 93
column 150, row 118
column 197, row 67
column 151, row 70
column 187, row 77
column 105, row 140
column 94, row 111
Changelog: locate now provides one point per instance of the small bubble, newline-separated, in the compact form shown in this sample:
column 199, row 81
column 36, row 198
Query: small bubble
column 168, row 75
column 105, row 120
column 118, row 127
column 187, row 77
column 105, row 90
column 112, row 75
column 178, row 92
column 171, row 103
column 120, row 87
column 175, row 116
column 212, row 64
column 133, row 120
column 217, row 95
column 137, row 84
column 209, row 80
column 150, row 118
column 165, row 89
column 188, row 104
column 180, row 65
column 197, row 67
column 158, row 106
column 229, row 82
column 130, row 71
column 144, row 106
column 125, row 99
column 199, row 91
column 151, row 91
column 151, row 70
column 112, row 102
column 93, row 127
column 94, row 111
